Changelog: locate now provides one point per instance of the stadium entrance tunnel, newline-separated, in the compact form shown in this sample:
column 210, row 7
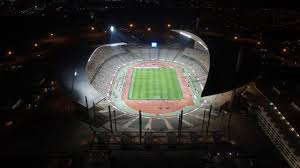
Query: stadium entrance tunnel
column 159, row 82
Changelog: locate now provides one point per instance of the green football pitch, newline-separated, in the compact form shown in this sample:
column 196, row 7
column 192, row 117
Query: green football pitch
column 154, row 83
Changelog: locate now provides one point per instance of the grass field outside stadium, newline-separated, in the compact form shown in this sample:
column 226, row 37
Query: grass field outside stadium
column 154, row 84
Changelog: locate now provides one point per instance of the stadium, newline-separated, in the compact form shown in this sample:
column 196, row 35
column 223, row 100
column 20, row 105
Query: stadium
column 161, row 82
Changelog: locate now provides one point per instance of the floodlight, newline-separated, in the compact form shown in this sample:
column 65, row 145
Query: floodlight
column 154, row 44
column 112, row 28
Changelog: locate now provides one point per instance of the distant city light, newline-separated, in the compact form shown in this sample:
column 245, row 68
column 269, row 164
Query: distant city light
column 112, row 28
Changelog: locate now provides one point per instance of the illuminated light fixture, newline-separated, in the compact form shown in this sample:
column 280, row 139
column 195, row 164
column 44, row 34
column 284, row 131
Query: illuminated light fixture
column 9, row 52
column 131, row 25
column 35, row 44
column 297, row 135
column 287, row 123
column 169, row 25
column 75, row 73
column 92, row 28
column 51, row 34
column 235, row 37
column 271, row 104
column 292, row 129
column 154, row 44
column 284, row 50
column 282, row 118
column 278, row 112
column 258, row 42
column 186, row 35
column 112, row 28
column 149, row 29
column 275, row 108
